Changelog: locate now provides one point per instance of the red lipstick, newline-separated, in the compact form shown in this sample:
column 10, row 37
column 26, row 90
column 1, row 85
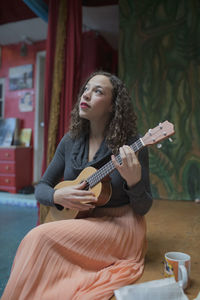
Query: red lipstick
column 84, row 105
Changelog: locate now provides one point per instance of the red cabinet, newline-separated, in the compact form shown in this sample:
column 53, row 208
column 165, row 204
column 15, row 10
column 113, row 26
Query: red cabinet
column 15, row 168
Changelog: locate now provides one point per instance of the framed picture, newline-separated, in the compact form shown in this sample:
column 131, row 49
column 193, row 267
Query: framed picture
column 26, row 102
column 21, row 77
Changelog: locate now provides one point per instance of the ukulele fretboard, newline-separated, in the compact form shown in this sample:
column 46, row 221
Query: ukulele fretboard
column 109, row 167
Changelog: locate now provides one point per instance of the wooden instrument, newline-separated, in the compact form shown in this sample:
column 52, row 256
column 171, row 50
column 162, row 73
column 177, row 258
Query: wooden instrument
column 97, row 180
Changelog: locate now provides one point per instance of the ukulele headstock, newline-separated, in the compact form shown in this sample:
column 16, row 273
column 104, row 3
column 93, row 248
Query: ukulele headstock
column 158, row 133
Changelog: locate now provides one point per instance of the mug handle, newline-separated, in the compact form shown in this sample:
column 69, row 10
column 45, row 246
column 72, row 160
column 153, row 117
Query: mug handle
column 184, row 276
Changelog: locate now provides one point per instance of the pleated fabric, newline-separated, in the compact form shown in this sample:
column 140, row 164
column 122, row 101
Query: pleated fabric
column 77, row 259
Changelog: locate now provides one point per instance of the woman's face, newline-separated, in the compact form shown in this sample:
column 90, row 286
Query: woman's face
column 96, row 100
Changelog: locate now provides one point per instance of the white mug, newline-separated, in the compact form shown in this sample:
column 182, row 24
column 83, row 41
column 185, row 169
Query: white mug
column 178, row 264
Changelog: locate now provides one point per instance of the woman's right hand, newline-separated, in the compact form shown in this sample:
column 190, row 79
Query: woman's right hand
column 75, row 197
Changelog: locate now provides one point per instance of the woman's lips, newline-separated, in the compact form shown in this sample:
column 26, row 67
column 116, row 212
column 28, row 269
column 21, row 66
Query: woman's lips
column 84, row 105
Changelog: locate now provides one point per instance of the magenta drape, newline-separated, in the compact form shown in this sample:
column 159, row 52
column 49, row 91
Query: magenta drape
column 50, row 53
column 71, row 66
column 97, row 54
column 49, row 65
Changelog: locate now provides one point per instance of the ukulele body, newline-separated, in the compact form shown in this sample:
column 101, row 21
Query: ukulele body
column 101, row 190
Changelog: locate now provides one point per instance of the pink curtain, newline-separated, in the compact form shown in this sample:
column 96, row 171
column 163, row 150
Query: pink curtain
column 71, row 76
column 73, row 64
column 50, row 53
column 97, row 54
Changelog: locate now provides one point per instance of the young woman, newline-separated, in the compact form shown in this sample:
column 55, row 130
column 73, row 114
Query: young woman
column 88, row 258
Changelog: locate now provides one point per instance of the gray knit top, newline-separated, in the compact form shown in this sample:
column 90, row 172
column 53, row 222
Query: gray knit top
column 71, row 157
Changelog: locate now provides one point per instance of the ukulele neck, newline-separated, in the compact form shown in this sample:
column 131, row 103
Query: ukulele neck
column 109, row 167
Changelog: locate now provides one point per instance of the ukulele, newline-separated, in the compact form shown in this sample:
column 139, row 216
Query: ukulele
column 97, row 180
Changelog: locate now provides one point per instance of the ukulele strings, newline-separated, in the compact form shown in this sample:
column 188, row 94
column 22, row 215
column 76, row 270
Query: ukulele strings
column 109, row 167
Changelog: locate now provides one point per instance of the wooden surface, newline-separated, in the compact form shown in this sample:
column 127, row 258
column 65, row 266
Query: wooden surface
column 173, row 226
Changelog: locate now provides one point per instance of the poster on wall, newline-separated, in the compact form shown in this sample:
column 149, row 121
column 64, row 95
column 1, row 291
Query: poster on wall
column 21, row 77
column 26, row 102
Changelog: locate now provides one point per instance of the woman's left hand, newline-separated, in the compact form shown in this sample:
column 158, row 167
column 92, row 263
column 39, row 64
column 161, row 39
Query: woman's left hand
column 130, row 169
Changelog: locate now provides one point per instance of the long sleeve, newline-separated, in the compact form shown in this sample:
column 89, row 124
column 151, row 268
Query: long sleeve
column 45, row 189
column 140, row 195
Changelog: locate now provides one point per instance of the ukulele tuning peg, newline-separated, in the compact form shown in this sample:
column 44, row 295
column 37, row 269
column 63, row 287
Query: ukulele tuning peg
column 170, row 139
column 159, row 146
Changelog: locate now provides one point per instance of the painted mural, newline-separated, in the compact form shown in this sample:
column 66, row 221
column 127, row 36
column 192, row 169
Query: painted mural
column 159, row 59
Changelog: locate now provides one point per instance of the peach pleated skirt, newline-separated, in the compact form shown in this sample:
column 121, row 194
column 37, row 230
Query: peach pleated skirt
column 81, row 259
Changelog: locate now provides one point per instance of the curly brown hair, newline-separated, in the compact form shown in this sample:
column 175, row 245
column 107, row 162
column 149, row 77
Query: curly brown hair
column 122, row 123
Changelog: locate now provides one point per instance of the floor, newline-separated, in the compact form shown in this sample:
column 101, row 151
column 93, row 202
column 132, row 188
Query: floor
column 172, row 226
column 18, row 214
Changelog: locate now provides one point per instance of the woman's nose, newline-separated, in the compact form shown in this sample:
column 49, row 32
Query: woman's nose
column 86, row 95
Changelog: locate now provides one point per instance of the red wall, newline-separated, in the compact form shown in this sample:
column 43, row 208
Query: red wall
column 11, row 58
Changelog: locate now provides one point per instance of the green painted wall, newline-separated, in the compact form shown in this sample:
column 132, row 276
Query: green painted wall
column 159, row 59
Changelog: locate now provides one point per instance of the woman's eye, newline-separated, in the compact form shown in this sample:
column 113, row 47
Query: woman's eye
column 85, row 89
column 99, row 92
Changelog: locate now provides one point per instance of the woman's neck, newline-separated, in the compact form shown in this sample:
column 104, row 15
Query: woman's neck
column 97, row 132
column 95, row 139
